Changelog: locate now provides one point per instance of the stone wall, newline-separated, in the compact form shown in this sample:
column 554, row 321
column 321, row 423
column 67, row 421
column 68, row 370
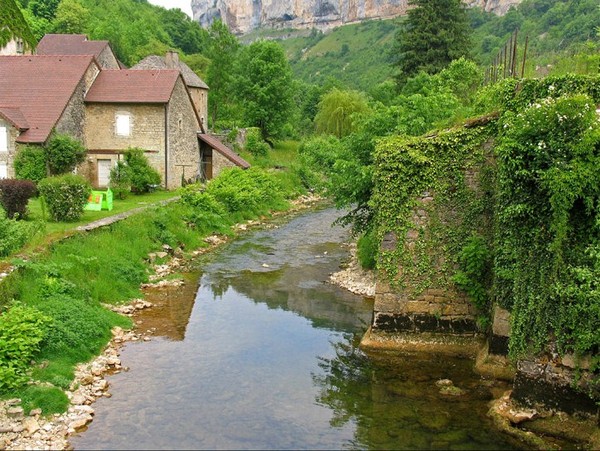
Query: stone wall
column 184, row 149
column 440, row 307
column 73, row 118
column 200, row 99
column 220, row 163
column 107, row 59
column 548, row 382
column 147, row 131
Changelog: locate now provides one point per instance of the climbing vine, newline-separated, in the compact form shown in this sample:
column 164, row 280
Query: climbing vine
column 548, row 220
column 430, row 190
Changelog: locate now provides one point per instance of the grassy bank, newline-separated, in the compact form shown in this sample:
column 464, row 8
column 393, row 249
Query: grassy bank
column 52, row 304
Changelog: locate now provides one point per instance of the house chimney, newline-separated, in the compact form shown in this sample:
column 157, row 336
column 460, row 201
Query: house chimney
column 172, row 59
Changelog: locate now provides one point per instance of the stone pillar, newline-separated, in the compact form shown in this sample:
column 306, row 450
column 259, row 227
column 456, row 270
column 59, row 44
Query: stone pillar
column 500, row 332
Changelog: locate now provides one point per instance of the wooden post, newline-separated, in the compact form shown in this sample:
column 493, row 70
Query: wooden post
column 524, row 56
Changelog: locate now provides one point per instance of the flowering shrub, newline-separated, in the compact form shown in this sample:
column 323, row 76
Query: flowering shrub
column 65, row 196
column 14, row 195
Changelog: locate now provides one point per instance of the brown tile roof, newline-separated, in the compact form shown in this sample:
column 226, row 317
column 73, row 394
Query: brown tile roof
column 133, row 86
column 217, row 145
column 39, row 87
column 69, row 44
column 14, row 116
column 159, row 62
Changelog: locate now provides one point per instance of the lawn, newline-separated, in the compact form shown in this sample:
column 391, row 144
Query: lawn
column 51, row 230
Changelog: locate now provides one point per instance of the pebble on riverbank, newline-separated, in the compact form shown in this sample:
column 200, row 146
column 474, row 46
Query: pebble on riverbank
column 353, row 278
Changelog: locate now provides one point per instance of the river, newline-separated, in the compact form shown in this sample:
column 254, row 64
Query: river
column 258, row 351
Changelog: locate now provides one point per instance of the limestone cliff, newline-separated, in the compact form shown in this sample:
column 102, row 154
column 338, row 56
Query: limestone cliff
column 243, row 16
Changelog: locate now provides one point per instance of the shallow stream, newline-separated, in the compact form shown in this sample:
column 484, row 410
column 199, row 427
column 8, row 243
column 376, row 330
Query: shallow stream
column 259, row 352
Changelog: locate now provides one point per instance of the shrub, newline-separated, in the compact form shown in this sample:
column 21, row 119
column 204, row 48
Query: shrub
column 65, row 196
column 30, row 163
column 13, row 235
column 141, row 173
column 22, row 330
column 120, row 180
column 208, row 215
column 63, row 154
column 255, row 144
column 246, row 193
column 14, row 195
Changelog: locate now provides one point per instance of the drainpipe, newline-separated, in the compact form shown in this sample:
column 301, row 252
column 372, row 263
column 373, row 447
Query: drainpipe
column 166, row 146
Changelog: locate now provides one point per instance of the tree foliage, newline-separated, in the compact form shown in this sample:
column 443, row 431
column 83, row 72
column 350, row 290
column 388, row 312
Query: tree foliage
column 337, row 111
column 63, row 154
column 264, row 83
column 435, row 33
column 223, row 49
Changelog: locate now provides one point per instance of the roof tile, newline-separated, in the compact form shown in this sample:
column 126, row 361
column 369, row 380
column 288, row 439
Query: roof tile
column 133, row 86
column 69, row 44
column 40, row 87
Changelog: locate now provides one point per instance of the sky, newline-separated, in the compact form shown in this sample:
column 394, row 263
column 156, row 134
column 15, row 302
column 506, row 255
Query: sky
column 184, row 5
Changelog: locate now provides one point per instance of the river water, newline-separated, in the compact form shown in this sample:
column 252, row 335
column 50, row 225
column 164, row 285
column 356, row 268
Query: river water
column 261, row 353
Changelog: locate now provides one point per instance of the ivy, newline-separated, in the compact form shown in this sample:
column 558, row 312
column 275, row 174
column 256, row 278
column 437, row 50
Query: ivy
column 423, row 188
column 549, row 224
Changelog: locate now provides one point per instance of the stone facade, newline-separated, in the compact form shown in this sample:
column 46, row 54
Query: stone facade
column 200, row 100
column 167, row 133
column 184, row 150
column 72, row 121
column 107, row 59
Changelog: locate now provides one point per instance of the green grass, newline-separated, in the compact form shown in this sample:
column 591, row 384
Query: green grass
column 51, row 230
column 50, row 399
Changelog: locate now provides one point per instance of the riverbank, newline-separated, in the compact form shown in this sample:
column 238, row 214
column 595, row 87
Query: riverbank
column 537, row 428
column 19, row 430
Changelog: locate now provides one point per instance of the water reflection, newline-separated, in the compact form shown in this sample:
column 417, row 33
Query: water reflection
column 394, row 402
column 171, row 311
column 266, row 358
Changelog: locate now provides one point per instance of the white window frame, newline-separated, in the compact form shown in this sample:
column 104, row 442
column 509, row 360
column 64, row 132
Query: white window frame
column 123, row 124
column 3, row 170
column 3, row 138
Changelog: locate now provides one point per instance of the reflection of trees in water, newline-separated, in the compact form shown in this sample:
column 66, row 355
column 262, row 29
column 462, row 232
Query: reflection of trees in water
column 346, row 381
column 393, row 402
column 297, row 290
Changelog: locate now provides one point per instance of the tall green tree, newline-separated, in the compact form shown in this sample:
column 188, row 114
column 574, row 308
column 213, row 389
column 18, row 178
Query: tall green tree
column 71, row 17
column 265, row 87
column 223, row 49
column 434, row 33
column 13, row 25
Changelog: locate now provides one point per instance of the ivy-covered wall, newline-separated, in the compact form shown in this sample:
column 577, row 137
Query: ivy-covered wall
column 504, row 211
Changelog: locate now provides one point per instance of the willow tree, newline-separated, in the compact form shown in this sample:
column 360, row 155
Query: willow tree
column 337, row 111
column 13, row 25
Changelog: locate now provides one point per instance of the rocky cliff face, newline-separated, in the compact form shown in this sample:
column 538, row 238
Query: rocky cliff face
column 243, row 16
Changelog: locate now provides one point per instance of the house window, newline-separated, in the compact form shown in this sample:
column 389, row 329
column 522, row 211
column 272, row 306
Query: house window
column 3, row 170
column 123, row 124
column 3, row 139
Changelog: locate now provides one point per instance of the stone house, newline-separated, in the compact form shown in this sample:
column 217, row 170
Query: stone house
column 149, row 109
column 197, row 88
column 39, row 94
column 85, row 93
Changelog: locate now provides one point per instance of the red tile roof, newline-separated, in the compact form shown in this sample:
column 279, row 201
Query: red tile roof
column 217, row 145
column 133, row 86
column 14, row 116
column 69, row 44
column 39, row 87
